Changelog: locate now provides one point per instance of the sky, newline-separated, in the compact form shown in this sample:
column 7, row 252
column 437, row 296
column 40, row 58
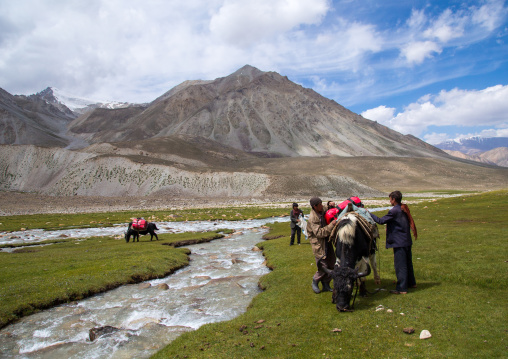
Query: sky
column 435, row 69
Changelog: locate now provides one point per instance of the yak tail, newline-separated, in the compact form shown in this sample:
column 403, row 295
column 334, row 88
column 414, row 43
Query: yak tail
column 347, row 228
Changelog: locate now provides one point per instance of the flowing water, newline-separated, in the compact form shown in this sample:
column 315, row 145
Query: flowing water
column 218, row 285
column 35, row 235
column 140, row 319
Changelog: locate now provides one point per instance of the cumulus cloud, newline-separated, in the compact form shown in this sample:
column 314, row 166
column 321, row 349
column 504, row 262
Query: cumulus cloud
column 131, row 51
column 381, row 114
column 436, row 138
column 465, row 108
column 446, row 27
column 417, row 52
column 244, row 23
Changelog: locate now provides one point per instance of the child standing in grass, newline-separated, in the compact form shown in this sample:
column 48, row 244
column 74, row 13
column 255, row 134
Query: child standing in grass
column 399, row 224
column 295, row 224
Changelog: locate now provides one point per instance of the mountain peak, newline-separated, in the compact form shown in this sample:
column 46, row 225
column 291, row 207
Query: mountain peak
column 247, row 70
column 47, row 95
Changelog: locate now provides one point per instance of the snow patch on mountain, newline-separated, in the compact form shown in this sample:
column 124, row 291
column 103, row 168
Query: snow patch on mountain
column 75, row 103
column 474, row 145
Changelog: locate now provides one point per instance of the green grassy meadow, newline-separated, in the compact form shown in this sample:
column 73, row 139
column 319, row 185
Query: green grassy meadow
column 460, row 262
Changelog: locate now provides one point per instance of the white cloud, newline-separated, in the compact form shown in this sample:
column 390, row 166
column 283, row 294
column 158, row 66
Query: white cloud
column 131, row 51
column 446, row 27
column 417, row 52
column 425, row 36
column 465, row 108
column 495, row 132
column 381, row 114
column 489, row 15
column 244, row 23
column 436, row 138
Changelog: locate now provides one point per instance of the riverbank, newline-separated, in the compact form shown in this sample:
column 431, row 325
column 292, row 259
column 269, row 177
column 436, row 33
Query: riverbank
column 39, row 277
column 135, row 321
column 460, row 298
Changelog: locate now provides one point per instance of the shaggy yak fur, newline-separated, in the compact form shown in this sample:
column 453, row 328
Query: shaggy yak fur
column 150, row 228
column 351, row 245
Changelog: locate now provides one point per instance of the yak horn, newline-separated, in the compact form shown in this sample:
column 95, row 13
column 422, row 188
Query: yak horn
column 326, row 270
column 362, row 274
column 323, row 268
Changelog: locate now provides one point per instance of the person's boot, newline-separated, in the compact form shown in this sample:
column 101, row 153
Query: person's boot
column 315, row 286
column 326, row 286
column 363, row 290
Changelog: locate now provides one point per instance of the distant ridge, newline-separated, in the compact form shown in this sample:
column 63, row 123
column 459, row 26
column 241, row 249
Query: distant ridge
column 493, row 150
column 474, row 145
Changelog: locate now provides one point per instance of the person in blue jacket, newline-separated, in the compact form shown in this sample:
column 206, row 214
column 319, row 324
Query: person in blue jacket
column 399, row 224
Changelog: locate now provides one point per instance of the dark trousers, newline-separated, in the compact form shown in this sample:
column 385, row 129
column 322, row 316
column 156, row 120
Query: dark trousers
column 403, row 262
column 298, row 232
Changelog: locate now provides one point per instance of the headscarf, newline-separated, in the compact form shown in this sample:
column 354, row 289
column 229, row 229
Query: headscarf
column 412, row 224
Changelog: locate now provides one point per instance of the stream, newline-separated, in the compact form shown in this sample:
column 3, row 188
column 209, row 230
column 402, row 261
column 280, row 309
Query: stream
column 140, row 319
column 36, row 235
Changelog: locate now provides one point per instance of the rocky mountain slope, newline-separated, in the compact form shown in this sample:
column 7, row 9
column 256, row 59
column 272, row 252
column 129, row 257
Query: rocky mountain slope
column 462, row 155
column 257, row 112
column 498, row 155
column 174, row 167
column 31, row 120
column 251, row 134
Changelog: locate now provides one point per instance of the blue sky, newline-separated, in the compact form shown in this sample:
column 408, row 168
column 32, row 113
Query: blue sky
column 434, row 69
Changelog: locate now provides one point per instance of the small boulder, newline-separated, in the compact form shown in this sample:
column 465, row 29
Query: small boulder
column 97, row 332
column 163, row 286
column 409, row 330
column 425, row 334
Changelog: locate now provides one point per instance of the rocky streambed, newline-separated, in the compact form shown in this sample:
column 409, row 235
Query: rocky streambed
column 135, row 321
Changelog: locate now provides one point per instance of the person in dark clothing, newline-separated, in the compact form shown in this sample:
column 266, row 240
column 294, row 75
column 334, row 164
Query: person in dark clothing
column 399, row 225
column 295, row 224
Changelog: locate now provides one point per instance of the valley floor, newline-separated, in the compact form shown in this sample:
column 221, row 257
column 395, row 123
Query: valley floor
column 22, row 203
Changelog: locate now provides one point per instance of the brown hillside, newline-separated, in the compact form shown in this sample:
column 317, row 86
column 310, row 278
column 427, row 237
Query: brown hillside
column 259, row 112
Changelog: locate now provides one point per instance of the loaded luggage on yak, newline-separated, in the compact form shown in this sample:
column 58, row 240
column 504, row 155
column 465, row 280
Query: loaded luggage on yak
column 354, row 237
column 141, row 226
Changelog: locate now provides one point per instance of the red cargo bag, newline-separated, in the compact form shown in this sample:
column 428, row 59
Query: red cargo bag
column 139, row 224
